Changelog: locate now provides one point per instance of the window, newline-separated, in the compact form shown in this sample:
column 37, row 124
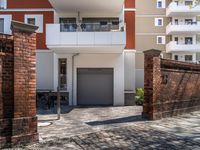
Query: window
column 176, row 40
column 176, row 57
column 101, row 24
column 3, row 4
column 188, row 58
column 35, row 19
column 160, row 3
column 177, row 2
column 188, row 3
column 160, row 39
column 68, row 24
column 31, row 21
column 188, row 40
column 62, row 74
column 188, row 21
column 158, row 21
column 176, row 21
column 1, row 25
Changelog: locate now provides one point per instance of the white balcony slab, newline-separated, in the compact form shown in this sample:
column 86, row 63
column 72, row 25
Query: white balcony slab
column 175, row 10
column 118, row 38
column 84, row 42
column 174, row 47
column 103, row 38
column 68, row 38
column 88, row 6
column 85, row 38
column 183, row 29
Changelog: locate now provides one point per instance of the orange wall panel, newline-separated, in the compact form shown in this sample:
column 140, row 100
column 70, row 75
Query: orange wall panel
column 130, row 29
column 129, row 3
column 48, row 17
column 28, row 4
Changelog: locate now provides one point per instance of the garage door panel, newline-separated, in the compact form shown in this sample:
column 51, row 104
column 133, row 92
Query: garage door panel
column 95, row 86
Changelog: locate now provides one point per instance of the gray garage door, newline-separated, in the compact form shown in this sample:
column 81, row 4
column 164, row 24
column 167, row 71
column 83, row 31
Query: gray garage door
column 95, row 86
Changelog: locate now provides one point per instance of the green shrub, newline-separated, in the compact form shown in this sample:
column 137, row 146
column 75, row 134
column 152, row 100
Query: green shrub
column 139, row 98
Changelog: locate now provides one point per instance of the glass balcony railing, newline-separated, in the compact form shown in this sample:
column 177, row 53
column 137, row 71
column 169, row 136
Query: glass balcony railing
column 89, row 27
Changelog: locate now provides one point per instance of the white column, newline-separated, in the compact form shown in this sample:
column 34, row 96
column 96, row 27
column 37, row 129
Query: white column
column 129, row 69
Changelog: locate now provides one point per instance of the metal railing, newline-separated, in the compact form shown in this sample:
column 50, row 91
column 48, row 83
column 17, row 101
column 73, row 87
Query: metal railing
column 184, row 23
column 190, row 5
column 89, row 27
column 183, row 43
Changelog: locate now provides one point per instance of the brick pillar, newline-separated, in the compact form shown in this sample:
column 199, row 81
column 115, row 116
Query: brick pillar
column 6, row 88
column 1, row 94
column 151, row 77
column 25, row 120
column 20, row 125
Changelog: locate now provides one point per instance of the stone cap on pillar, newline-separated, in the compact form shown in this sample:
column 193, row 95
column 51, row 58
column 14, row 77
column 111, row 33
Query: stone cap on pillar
column 153, row 52
column 20, row 26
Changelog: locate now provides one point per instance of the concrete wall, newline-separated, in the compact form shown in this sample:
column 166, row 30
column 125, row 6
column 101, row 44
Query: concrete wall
column 146, row 7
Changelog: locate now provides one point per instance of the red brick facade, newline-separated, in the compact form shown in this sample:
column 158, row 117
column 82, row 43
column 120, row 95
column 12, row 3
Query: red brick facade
column 171, row 87
column 20, row 4
column 129, row 16
column 48, row 18
column 18, row 86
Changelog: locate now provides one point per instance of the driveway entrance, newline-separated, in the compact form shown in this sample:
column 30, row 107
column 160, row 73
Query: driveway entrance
column 86, row 120
column 119, row 128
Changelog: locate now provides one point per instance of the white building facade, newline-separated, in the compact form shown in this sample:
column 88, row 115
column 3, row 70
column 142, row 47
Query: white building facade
column 184, row 30
column 87, row 56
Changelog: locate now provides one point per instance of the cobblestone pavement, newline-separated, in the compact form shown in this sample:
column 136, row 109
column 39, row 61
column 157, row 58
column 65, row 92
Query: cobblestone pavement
column 88, row 120
column 118, row 128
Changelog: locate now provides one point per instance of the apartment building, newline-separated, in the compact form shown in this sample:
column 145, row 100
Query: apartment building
column 171, row 26
column 84, row 47
column 183, row 30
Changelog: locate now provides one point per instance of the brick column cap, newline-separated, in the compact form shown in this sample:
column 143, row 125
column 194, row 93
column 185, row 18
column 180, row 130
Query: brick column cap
column 16, row 25
column 155, row 51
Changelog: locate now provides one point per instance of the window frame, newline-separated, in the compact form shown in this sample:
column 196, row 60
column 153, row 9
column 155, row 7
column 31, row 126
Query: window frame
column 39, row 21
column 185, row 56
column 162, row 2
column 157, row 22
column 62, row 76
column 163, row 40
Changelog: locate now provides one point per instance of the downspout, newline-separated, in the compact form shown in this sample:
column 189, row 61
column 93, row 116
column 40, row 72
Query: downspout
column 73, row 77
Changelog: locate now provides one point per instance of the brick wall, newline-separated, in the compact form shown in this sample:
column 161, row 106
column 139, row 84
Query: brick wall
column 171, row 87
column 18, row 121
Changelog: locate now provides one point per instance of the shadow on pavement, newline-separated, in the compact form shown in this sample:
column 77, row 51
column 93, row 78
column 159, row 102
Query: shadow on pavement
column 136, row 118
column 52, row 111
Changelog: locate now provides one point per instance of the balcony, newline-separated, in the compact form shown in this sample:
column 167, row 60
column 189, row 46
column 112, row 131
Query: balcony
column 187, row 28
column 178, row 47
column 85, row 38
column 176, row 10
column 88, row 6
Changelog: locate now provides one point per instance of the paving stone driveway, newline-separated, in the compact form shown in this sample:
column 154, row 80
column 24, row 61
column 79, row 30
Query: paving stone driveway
column 114, row 128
